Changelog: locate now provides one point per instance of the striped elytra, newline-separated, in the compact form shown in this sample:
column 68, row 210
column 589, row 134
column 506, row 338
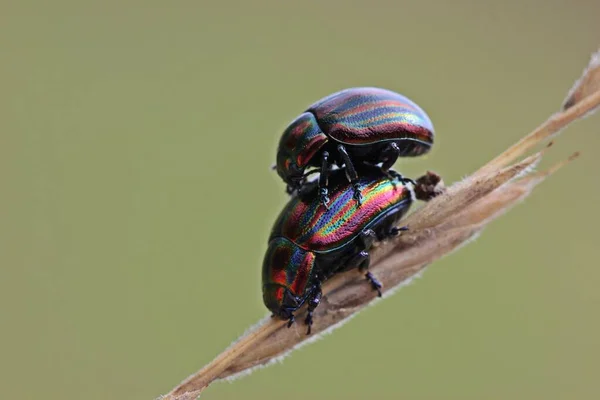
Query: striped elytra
column 361, row 116
column 372, row 125
column 309, row 243
column 313, row 227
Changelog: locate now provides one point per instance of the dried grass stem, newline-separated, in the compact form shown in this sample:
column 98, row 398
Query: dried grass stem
column 440, row 226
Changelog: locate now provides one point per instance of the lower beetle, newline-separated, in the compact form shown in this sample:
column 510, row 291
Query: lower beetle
column 309, row 243
column 348, row 128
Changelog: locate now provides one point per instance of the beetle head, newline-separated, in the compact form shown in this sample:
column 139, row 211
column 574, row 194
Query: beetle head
column 299, row 144
column 280, row 300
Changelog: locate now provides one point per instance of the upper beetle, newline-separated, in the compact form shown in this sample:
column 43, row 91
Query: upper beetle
column 309, row 243
column 360, row 125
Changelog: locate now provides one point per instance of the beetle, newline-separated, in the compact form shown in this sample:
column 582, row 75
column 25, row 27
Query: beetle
column 356, row 125
column 309, row 243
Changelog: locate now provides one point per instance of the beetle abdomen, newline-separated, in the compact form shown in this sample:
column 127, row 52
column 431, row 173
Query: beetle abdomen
column 362, row 116
column 313, row 227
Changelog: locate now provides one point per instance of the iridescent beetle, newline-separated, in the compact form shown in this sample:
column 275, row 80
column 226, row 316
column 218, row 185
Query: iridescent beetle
column 310, row 243
column 358, row 125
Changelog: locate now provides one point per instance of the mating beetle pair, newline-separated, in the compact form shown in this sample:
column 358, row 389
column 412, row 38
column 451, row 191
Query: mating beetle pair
column 329, row 225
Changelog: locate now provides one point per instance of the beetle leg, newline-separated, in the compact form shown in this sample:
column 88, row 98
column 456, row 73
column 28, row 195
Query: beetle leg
column 291, row 321
column 374, row 283
column 360, row 261
column 350, row 172
column 363, row 260
column 324, row 180
column 390, row 155
column 408, row 180
column 405, row 180
column 394, row 174
column 395, row 230
column 368, row 237
column 313, row 302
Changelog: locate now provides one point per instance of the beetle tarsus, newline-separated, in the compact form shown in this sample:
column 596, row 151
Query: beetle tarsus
column 323, row 197
column 351, row 173
column 291, row 321
column 395, row 231
column 374, row 283
column 396, row 175
column 407, row 180
column 362, row 260
column 357, row 193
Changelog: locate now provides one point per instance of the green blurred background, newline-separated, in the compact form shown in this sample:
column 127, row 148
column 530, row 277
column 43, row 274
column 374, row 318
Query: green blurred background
column 137, row 197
